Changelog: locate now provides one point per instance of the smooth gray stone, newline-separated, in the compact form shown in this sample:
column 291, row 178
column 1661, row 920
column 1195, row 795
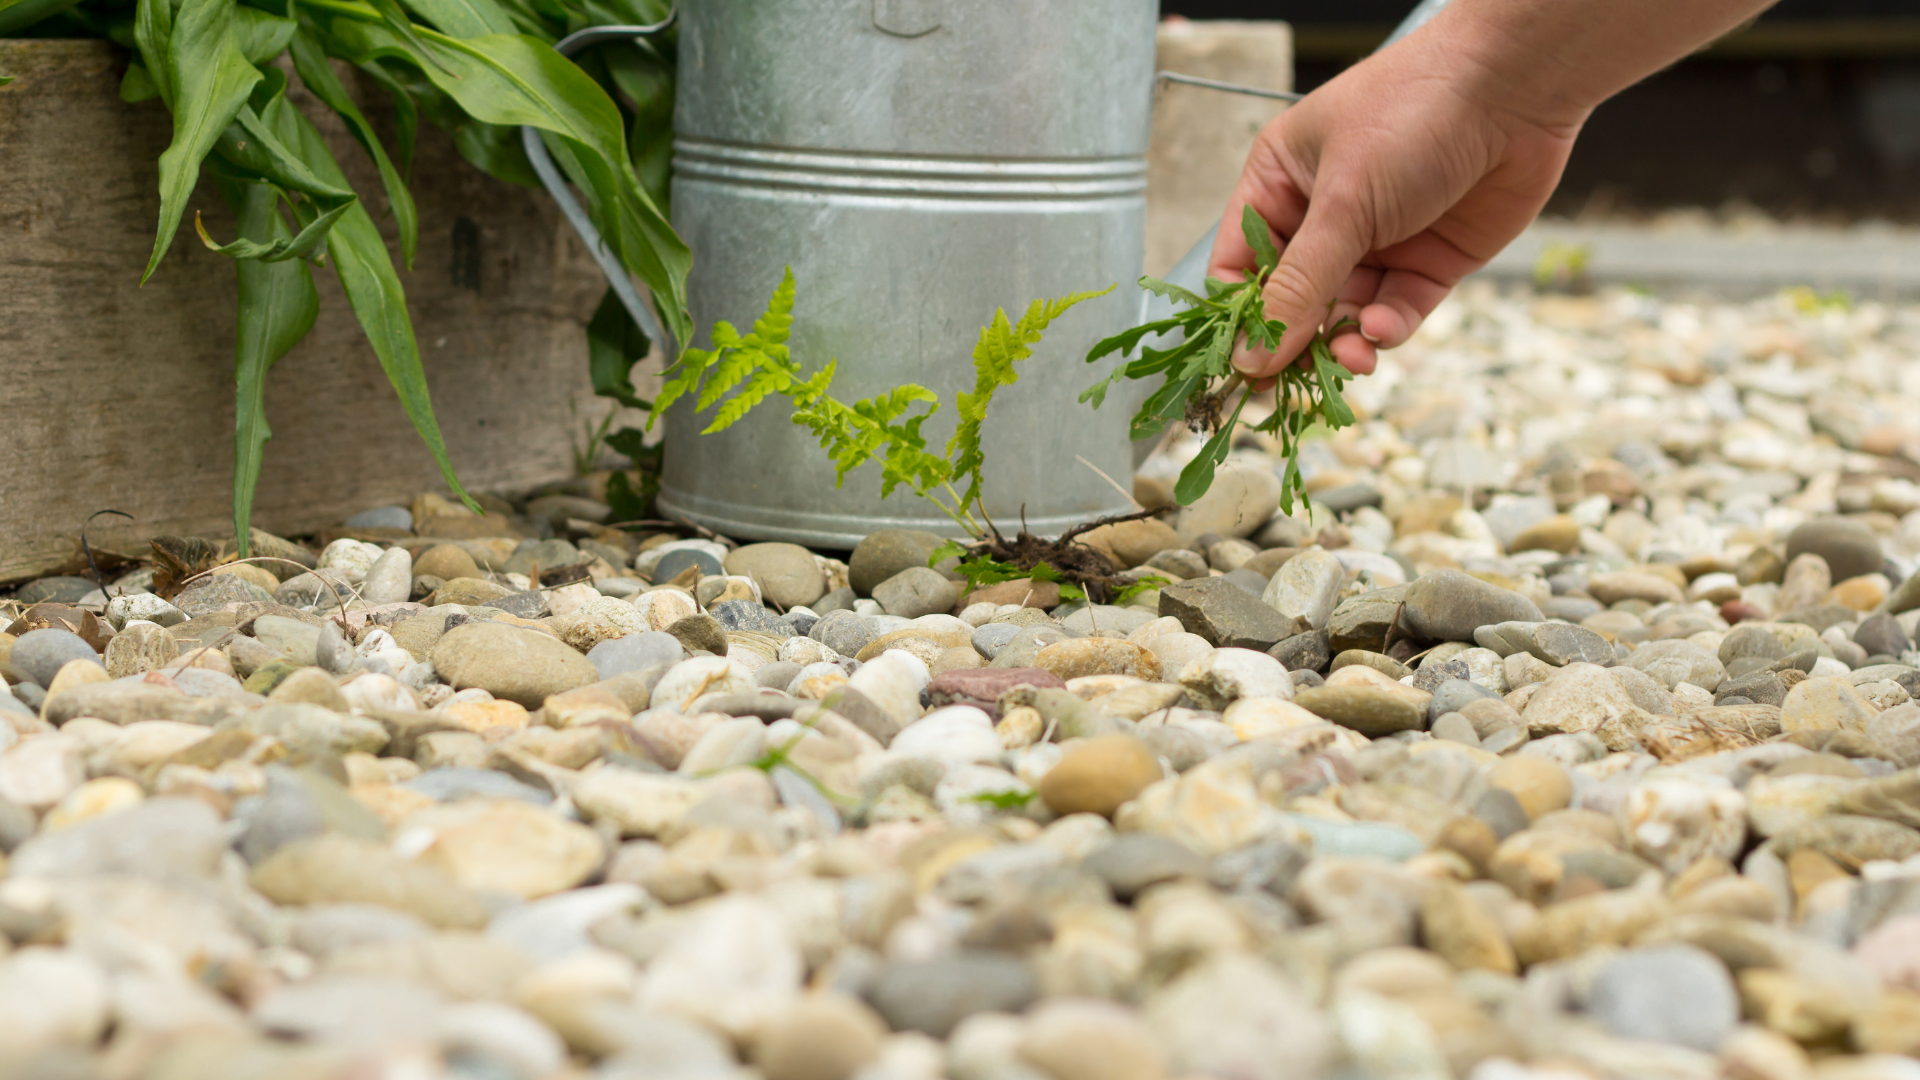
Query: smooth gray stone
column 382, row 517
column 1676, row 994
column 40, row 654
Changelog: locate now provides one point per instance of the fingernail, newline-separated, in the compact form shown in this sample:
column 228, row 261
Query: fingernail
column 1370, row 338
column 1247, row 365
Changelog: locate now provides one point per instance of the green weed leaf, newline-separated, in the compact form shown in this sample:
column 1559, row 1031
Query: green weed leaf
column 310, row 62
column 206, row 83
column 277, row 308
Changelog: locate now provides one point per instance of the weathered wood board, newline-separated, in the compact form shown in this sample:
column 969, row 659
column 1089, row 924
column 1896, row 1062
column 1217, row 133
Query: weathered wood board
column 117, row 396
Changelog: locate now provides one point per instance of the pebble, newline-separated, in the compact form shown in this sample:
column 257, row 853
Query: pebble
column 819, row 1037
column 1099, row 775
column 1848, row 548
column 1660, row 822
column 933, row 996
column 1224, row 676
column 1447, row 605
column 1225, row 615
column 1825, row 704
column 916, row 591
column 887, row 552
column 390, row 579
column 1674, row 994
column 40, row 654
column 519, row 665
column 635, row 652
column 1306, row 589
column 787, row 574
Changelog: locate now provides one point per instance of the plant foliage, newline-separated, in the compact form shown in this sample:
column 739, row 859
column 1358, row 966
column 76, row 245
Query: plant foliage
column 480, row 68
column 742, row 370
column 982, row 569
column 1198, row 375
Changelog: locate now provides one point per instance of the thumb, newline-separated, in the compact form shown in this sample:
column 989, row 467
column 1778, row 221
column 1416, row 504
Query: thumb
column 1333, row 237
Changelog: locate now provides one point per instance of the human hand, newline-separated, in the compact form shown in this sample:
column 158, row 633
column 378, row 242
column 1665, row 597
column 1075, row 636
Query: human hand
column 1383, row 189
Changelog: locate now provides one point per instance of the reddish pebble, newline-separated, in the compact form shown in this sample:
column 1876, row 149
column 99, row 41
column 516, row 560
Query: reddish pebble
column 1740, row 611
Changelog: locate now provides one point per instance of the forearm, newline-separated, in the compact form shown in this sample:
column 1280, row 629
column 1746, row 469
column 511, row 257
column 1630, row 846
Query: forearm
column 1552, row 61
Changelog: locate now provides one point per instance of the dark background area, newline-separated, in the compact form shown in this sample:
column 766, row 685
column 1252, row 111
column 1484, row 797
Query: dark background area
column 1810, row 112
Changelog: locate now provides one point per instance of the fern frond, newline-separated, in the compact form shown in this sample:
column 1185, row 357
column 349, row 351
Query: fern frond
column 762, row 383
column 770, row 330
column 1001, row 346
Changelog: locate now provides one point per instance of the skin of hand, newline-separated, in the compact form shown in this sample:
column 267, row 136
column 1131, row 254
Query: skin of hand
column 1410, row 170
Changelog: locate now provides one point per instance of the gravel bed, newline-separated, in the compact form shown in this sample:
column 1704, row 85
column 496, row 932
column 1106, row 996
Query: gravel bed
column 1569, row 735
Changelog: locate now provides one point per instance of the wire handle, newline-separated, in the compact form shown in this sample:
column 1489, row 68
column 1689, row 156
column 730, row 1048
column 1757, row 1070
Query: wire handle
column 616, row 273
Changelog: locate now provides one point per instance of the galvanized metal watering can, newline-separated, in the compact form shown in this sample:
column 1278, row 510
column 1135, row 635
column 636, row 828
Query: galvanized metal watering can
column 917, row 163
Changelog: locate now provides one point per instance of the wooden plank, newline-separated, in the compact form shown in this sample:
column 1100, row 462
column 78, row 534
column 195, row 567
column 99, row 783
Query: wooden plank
column 119, row 396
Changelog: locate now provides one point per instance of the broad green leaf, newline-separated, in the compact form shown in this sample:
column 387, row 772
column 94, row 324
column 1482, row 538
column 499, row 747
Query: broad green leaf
column 136, row 86
column 5, row 79
column 277, row 308
column 495, row 149
column 394, row 18
column 252, row 149
column 406, row 117
column 646, row 84
column 16, row 15
column 614, row 344
column 514, row 80
column 281, row 248
column 464, row 18
column 210, row 81
column 261, row 35
column 320, row 80
column 367, row 276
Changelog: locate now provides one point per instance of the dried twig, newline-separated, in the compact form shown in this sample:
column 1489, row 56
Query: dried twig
column 99, row 578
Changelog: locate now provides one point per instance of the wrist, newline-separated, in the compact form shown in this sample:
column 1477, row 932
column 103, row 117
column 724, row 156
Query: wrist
column 1511, row 68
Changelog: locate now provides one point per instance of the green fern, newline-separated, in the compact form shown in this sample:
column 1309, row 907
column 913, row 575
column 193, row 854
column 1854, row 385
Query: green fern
column 739, row 373
column 1000, row 347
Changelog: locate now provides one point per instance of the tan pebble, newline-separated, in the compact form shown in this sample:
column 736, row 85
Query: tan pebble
column 1079, row 657
column 1754, row 1053
column 1020, row 728
column 818, row 1037
column 1863, row 593
column 573, row 708
column 393, row 804
column 1892, row 1026
column 1574, row 926
column 507, row 846
column 1808, row 869
column 364, row 768
column 1099, row 775
column 95, row 798
column 957, row 659
column 1540, row 784
column 81, row 672
column 1463, row 932
column 251, row 573
column 1079, row 1039
column 1828, row 703
column 1634, row 585
column 311, row 686
column 478, row 716
column 1731, row 897
column 1558, row 533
